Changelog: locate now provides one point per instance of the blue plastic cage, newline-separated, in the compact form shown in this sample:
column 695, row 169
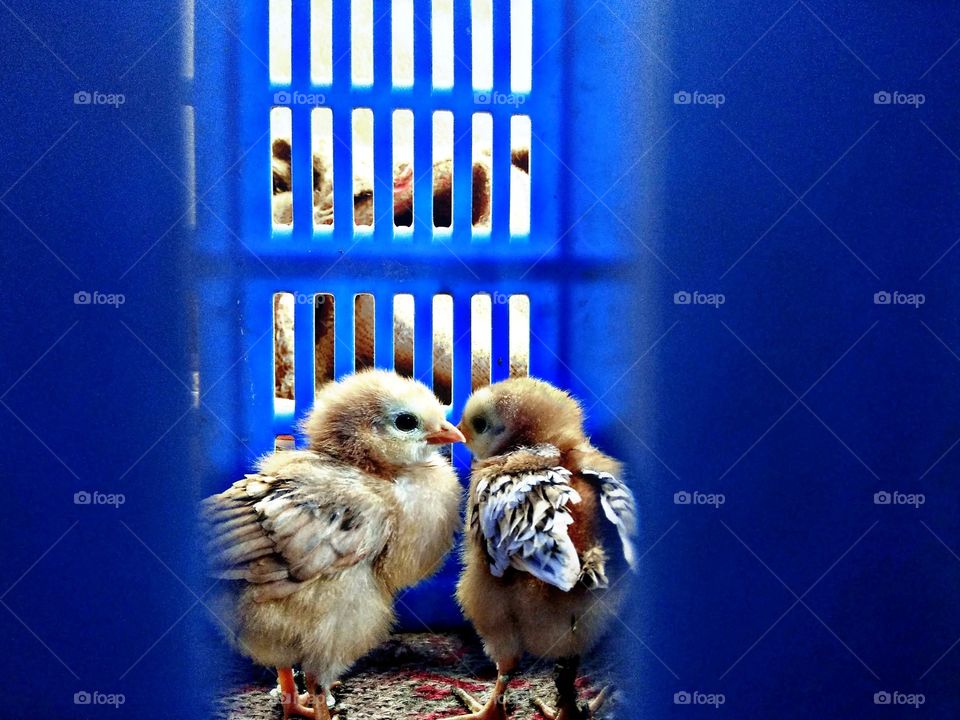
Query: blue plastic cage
column 809, row 190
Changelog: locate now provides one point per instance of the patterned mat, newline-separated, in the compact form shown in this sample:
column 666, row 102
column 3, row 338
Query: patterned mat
column 413, row 675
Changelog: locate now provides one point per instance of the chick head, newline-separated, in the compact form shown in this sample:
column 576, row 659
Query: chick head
column 379, row 421
column 520, row 412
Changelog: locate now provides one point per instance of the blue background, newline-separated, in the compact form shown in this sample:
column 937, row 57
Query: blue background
column 799, row 398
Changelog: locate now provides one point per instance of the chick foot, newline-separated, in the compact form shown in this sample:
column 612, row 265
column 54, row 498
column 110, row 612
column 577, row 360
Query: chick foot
column 496, row 707
column 565, row 677
column 295, row 705
column 572, row 711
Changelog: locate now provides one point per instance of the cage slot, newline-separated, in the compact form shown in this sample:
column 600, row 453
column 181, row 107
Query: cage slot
column 190, row 163
column 361, row 42
column 283, row 352
column 321, row 120
column 281, row 167
column 284, row 442
column 281, row 40
column 404, row 173
column 521, row 45
column 481, row 22
column 519, row 180
column 443, row 348
column 482, row 179
column 188, row 64
column 443, row 169
column 519, row 335
column 324, row 340
column 441, row 33
column 363, row 175
column 402, row 43
column 403, row 334
column 481, row 340
column 364, row 331
column 321, row 42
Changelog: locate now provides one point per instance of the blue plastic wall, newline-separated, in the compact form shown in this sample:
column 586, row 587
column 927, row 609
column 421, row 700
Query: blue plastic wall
column 798, row 198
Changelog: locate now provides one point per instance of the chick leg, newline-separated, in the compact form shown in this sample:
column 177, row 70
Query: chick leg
column 496, row 707
column 289, row 698
column 565, row 677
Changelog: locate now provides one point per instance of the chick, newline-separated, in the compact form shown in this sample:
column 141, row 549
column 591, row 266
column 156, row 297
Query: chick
column 548, row 536
column 316, row 543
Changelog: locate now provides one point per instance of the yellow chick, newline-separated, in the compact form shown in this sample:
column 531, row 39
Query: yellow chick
column 548, row 537
column 313, row 547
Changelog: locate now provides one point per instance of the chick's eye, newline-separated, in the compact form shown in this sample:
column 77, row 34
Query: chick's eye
column 480, row 425
column 406, row 422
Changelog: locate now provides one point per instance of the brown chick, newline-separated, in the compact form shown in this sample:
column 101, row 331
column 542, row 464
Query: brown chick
column 316, row 543
column 549, row 528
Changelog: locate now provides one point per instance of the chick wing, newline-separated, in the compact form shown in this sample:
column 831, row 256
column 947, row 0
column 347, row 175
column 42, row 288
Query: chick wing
column 308, row 520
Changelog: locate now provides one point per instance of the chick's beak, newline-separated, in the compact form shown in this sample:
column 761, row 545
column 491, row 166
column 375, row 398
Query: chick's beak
column 448, row 433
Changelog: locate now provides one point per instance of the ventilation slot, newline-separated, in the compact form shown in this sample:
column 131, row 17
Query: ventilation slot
column 443, row 348
column 321, row 42
column 284, row 442
column 403, row 339
column 521, row 35
column 519, row 335
column 324, row 340
column 481, row 21
column 363, row 178
column 283, row 305
column 402, row 48
column 321, row 132
column 482, row 172
column 441, row 32
column 403, row 174
column 443, row 169
column 190, row 163
column 481, row 341
column 281, row 41
column 361, row 42
column 281, row 168
column 364, row 342
column 520, row 180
